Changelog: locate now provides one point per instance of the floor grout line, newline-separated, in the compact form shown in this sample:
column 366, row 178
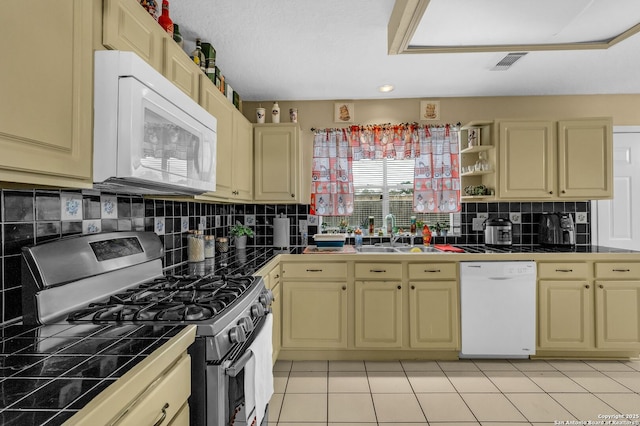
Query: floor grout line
column 564, row 373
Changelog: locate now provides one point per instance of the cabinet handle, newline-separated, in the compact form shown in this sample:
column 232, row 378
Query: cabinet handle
column 344, row 287
column 413, row 287
column 377, row 270
column 432, row 270
column 276, row 277
column 399, row 287
column 550, row 192
column 293, row 195
column 564, row 270
column 587, row 286
column 601, row 286
column 164, row 415
column 564, row 192
column 314, row 270
column 621, row 270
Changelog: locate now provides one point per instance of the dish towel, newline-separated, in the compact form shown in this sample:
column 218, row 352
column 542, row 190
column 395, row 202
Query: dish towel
column 258, row 375
column 447, row 247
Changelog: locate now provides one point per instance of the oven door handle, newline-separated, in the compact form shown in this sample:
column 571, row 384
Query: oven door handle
column 238, row 366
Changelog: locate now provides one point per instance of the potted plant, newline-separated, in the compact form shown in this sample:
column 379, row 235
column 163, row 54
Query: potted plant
column 240, row 233
column 440, row 229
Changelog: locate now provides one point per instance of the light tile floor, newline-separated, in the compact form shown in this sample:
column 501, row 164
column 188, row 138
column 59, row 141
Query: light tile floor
column 450, row 393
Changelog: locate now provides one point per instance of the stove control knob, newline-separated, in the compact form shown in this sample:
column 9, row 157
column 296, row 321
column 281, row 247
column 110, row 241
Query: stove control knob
column 246, row 324
column 266, row 297
column 237, row 334
column 257, row 310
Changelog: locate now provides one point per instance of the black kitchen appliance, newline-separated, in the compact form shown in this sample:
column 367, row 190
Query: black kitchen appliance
column 117, row 277
column 556, row 229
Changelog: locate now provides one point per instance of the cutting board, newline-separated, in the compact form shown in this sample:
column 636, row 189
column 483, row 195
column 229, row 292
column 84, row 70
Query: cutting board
column 343, row 250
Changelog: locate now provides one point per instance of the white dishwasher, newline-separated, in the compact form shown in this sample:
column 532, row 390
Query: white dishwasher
column 498, row 309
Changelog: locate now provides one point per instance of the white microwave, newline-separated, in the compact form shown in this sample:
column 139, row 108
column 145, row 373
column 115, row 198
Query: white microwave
column 149, row 136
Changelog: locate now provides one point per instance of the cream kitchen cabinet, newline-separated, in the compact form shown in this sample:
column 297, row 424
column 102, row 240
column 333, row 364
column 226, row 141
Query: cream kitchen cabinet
column 549, row 160
column 181, row 70
column 278, row 164
column 477, row 159
column 157, row 388
column 565, row 306
column 129, row 27
column 378, row 305
column 434, row 314
column 314, row 305
column 46, row 131
column 276, row 310
column 565, row 314
column 243, row 164
column 378, row 314
column 585, row 158
column 581, row 310
column 617, row 290
column 234, row 157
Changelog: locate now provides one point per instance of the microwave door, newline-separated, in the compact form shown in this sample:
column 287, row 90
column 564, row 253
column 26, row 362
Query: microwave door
column 159, row 142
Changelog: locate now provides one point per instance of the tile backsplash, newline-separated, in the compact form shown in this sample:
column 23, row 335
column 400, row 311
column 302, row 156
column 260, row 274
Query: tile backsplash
column 36, row 216
column 528, row 214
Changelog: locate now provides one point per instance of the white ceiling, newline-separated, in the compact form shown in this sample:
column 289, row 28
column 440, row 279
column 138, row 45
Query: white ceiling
column 337, row 49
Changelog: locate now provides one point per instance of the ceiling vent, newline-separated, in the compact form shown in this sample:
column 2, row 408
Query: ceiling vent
column 506, row 62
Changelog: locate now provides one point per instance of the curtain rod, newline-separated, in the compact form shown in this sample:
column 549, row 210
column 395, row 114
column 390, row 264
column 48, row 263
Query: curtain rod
column 386, row 125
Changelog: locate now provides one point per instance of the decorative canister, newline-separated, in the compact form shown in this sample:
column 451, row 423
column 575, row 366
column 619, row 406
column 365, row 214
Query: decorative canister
column 195, row 246
column 260, row 115
column 209, row 247
column 222, row 244
column 275, row 113
column 293, row 115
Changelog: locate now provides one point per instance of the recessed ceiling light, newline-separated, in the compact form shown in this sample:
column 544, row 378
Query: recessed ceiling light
column 386, row 88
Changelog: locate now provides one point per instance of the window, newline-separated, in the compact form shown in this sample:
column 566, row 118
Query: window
column 386, row 186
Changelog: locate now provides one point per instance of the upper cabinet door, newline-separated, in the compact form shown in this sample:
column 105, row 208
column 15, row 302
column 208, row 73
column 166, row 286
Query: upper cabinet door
column 242, row 172
column 46, row 117
column 181, row 70
column 585, row 158
column 277, row 163
column 527, row 159
column 215, row 103
column 127, row 26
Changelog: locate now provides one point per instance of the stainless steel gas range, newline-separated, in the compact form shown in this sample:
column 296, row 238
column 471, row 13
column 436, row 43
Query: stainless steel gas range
column 117, row 278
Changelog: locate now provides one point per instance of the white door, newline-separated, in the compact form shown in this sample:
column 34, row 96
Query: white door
column 616, row 222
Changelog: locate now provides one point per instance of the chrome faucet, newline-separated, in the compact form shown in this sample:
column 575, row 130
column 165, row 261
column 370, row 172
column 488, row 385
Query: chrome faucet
column 394, row 239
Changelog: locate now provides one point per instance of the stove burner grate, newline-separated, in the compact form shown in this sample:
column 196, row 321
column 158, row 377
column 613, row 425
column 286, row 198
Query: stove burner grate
column 170, row 298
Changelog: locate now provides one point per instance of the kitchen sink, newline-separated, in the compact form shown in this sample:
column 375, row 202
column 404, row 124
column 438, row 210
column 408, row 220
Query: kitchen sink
column 396, row 249
column 377, row 249
column 422, row 249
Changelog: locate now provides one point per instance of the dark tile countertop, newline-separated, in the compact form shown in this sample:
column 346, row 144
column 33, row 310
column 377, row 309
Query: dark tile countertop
column 481, row 248
column 48, row 373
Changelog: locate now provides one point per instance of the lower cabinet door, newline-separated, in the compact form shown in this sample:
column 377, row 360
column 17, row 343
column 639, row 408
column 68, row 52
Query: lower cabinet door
column 565, row 315
column 618, row 315
column 378, row 314
column 163, row 400
column 314, row 314
column 276, row 310
column 434, row 317
column 182, row 417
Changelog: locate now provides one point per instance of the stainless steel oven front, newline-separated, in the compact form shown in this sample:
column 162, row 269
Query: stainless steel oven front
column 219, row 391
